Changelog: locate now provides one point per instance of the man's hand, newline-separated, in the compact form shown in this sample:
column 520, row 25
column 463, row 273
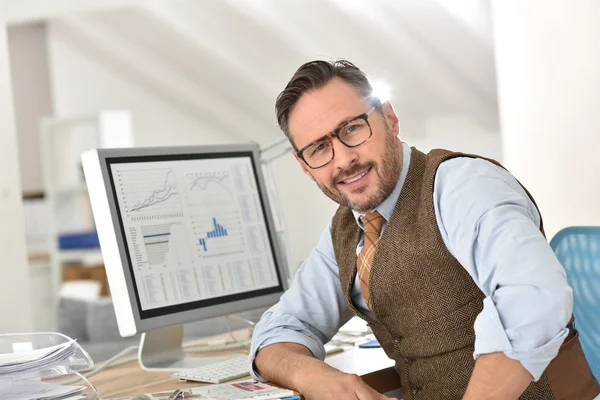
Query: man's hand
column 330, row 384
column 293, row 366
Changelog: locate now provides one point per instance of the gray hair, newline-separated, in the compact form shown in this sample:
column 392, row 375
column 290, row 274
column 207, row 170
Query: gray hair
column 314, row 75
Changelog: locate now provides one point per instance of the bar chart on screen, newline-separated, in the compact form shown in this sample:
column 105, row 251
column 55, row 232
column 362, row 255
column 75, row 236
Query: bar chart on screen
column 218, row 231
column 218, row 236
column 161, row 244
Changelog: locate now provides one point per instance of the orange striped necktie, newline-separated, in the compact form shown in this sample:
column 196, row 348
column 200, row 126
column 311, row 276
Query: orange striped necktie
column 372, row 223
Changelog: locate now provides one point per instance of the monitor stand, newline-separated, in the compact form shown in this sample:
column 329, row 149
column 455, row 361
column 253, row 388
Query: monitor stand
column 162, row 350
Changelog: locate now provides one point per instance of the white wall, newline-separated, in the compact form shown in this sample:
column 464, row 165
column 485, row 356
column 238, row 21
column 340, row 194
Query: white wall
column 307, row 210
column 456, row 133
column 548, row 68
column 15, row 302
column 32, row 99
column 85, row 83
column 23, row 11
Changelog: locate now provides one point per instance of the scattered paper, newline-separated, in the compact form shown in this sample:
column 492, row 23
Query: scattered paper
column 241, row 390
column 355, row 326
column 247, row 390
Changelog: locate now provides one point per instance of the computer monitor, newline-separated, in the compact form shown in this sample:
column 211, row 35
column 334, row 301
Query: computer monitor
column 186, row 234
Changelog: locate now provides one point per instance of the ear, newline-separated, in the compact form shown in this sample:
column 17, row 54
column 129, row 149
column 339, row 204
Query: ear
column 390, row 117
column 303, row 165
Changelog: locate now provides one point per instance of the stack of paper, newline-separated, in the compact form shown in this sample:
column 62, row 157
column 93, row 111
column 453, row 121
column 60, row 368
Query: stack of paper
column 31, row 390
column 33, row 360
column 22, row 370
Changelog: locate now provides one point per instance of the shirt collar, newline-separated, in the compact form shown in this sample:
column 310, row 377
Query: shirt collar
column 386, row 208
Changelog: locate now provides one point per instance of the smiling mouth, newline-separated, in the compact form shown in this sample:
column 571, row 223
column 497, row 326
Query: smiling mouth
column 356, row 178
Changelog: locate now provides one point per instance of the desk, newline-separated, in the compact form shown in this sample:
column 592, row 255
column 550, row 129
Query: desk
column 129, row 379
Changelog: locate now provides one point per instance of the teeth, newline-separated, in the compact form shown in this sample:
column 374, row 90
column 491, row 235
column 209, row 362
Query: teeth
column 357, row 178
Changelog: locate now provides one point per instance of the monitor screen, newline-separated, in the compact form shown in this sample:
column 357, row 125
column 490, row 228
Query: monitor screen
column 194, row 228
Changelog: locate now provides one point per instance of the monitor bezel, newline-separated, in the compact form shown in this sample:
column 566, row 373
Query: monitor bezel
column 145, row 320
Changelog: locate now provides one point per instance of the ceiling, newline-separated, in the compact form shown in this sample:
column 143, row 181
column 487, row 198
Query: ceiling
column 226, row 60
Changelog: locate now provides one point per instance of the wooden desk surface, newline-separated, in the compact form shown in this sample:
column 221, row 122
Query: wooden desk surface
column 129, row 379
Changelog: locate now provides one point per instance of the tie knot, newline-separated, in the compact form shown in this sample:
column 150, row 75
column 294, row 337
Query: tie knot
column 372, row 221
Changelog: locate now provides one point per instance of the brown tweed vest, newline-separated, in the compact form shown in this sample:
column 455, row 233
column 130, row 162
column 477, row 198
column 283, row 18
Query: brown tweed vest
column 425, row 303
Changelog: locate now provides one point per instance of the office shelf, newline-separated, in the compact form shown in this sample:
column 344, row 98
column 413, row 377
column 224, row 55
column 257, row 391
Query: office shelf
column 85, row 257
column 62, row 142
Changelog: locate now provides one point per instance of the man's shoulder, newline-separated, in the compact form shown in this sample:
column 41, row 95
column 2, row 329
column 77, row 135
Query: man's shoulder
column 464, row 167
column 445, row 156
column 478, row 182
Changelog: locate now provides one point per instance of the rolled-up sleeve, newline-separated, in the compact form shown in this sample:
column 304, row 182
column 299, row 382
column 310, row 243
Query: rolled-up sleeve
column 491, row 227
column 311, row 311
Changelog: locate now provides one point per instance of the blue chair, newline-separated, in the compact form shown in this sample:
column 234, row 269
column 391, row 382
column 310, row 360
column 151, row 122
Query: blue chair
column 578, row 250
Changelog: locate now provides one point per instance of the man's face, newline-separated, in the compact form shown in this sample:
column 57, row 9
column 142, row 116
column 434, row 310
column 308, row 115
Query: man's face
column 360, row 177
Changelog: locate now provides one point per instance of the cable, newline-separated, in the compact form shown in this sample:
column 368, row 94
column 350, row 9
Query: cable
column 251, row 323
column 222, row 344
column 198, row 348
column 90, row 385
column 207, row 348
column 103, row 365
column 229, row 329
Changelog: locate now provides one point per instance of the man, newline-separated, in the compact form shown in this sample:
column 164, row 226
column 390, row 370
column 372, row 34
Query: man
column 443, row 254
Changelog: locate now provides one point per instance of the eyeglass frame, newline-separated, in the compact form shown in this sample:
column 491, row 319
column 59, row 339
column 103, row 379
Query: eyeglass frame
column 336, row 134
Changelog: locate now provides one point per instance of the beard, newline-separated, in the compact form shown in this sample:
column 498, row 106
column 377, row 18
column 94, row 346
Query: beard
column 388, row 174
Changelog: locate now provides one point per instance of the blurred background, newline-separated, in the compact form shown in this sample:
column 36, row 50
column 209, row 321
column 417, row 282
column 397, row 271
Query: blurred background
column 511, row 80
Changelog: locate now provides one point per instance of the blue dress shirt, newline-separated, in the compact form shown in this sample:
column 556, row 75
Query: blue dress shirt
column 489, row 224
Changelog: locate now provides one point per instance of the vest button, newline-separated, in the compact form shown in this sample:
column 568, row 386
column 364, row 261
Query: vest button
column 410, row 361
column 398, row 340
column 414, row 391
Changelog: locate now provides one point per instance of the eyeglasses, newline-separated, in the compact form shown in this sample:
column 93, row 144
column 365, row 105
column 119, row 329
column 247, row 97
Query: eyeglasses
column 352, row 134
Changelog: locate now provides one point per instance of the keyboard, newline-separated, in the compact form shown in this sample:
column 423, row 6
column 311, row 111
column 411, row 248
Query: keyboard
column 221, row 371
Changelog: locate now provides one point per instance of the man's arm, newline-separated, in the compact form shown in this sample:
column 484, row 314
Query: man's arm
column 287, row 345
column 497, row 377
column 289, row 359
column 309, row 313
column 491, row 227
column 296, row 368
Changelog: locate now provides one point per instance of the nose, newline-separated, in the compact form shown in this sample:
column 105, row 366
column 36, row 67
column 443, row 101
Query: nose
column 344, row 156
